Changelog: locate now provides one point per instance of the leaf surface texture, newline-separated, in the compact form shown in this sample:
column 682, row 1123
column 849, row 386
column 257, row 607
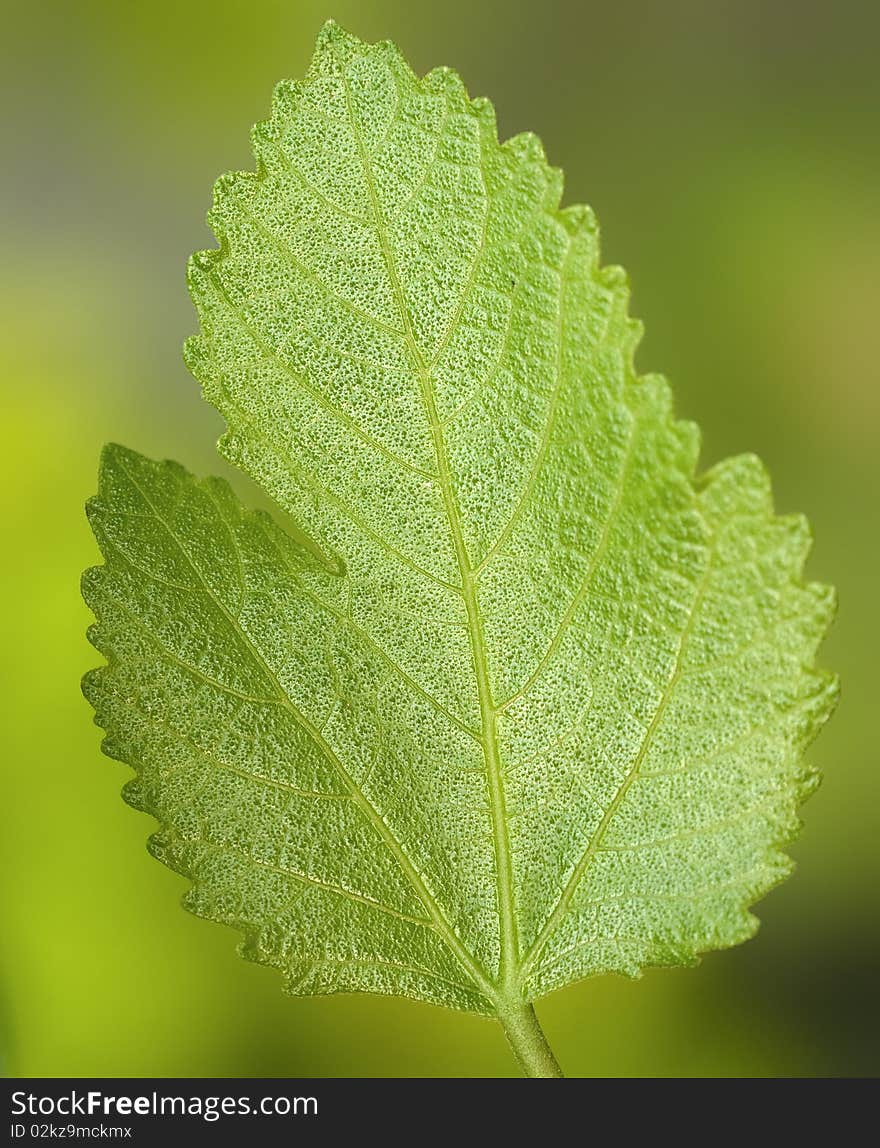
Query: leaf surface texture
column 532, row 705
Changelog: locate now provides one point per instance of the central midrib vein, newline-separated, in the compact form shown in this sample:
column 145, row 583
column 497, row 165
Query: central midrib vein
column 509, row 940
column 489, row 733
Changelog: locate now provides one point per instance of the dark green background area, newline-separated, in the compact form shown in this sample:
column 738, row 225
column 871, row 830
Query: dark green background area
column 730, row 151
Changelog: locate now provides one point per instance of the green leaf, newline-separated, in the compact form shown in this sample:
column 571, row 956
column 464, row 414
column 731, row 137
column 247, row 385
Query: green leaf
column 533, row 704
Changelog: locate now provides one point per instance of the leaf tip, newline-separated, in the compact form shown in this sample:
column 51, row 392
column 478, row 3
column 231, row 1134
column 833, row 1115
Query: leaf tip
column 333, row 38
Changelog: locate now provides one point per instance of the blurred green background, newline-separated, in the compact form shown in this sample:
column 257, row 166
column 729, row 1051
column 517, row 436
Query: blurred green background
column 731, row 152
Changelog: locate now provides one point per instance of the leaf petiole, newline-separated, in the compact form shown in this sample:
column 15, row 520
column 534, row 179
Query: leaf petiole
column 526, row 1038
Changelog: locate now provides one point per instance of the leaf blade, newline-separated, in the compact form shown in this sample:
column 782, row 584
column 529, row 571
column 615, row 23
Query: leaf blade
column 419, row 356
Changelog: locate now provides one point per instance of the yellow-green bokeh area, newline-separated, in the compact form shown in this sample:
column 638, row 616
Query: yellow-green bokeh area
column 730, row 151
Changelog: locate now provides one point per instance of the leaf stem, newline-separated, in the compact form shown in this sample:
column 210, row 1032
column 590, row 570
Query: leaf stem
column 527, row 1040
